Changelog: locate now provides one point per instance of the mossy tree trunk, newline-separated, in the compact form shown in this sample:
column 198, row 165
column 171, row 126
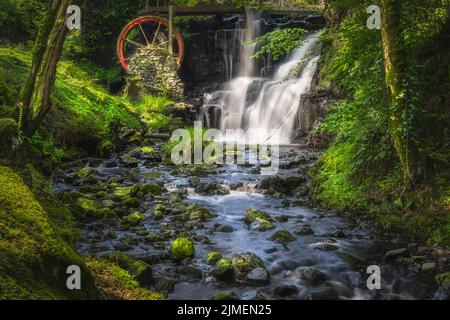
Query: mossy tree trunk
column 394, row 63
column 35, row 96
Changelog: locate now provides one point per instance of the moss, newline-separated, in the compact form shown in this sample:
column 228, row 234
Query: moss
column 84, row 172
column 443, row 279
column 107, row 213
column 123, row 193
column 282, row 236
column 34, row 252
column 8, row 130
column 181, row 248
column 160, row 211
column 198, row 213
column 154, row 237
column 223, row 270
column 252, row 214
column 213, row 257
column 245, row 262
column 134, row 219
column 264, row 225
column 225, row 295
column 139, row 269
column 148, row 150
column 88, row 209
column 117, row 283
column 151, row 187
column 132, row 202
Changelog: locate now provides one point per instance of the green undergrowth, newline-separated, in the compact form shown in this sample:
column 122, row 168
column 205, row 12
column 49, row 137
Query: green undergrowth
column 359, row 172
column 84, row 114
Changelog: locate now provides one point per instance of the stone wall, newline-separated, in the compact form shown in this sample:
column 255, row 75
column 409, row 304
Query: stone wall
column 152, row 70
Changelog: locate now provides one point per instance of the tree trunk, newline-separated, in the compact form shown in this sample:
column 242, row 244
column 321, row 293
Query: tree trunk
column 394, row 64
column 35, row 96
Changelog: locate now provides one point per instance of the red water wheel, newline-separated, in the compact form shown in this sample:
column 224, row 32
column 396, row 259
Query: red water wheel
column 144, row 32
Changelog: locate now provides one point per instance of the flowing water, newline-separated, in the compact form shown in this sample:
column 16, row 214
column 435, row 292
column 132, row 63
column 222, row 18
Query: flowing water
column 263, row 104
column 340, row 249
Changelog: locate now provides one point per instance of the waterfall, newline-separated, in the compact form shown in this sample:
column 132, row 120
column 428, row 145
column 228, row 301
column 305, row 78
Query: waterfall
column 264, row 104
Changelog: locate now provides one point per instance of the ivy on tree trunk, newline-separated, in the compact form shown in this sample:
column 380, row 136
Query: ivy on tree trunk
column 394, row 64
column 36, row 94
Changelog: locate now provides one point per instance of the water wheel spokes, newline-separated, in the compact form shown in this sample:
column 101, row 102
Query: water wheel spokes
column 146, row 32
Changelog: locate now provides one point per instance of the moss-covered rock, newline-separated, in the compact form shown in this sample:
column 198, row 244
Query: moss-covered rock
column 131, row 202
column 223, row 270
column 134, row 219
column 159, row 211
column 148, row 150
column 181, row 248
column 252, row 214
column 152, row 188
column 443, row 279
column 282, row 236
column 84, row 172
column 198, row 213
column 139, row 269
column 117, row 283
column 262, row 224
column 213, row 257
column 88, row 209
column 225, row 295
column 37, row 241
column 154, row 237
column 123, row 193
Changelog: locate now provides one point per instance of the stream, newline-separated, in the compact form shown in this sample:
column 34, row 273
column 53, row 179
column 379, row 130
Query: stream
column 327, row 259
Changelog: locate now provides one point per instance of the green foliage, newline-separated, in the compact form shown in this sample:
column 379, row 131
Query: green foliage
column 278, row 43
column 19, row 19
column 360, row 171
column 83, row 114
column 153, row 112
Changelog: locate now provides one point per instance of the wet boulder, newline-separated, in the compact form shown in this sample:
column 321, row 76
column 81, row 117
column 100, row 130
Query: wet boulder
column 159, row 211
column 394, row 254
column 213, row 257
column 249, row 268
column 225, row 295
column 252, row 214
column 151, row 188
column 282, row 236
column 198, row 213
column 285, row 291
column 252, row 295
column 224, row 270
column 261, row 225
column 304, row 230
column 139, row 269
column 312, row 275
column 134, row 219
column 88, row 209
column 224, row 228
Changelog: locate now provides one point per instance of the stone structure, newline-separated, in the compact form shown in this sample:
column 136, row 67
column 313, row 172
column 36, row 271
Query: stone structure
column 152, row 70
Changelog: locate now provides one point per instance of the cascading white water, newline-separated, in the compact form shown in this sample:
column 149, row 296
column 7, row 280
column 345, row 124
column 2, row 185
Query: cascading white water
column 263, row 104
